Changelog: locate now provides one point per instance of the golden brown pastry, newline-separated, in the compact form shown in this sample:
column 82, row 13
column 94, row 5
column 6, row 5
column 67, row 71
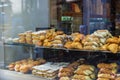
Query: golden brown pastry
column 76, row 45
column 86, row 67
column 81, row 77
column 24, row 69
column 83, row 72
column 108, row 71
column 104, row 47
column 17, row 67
column 112, row 40
column 42, row 37
column 42, row 61
column 113, row 48
column 64, row 78
column 65, row 69
column 103, row 79
column 36, row 63
column 107, row 66
column 11, row 66
column 118, row 78
column 109, row 76
column 59, row 32
column 64, row 74
column 68, row 45
column 30, row 66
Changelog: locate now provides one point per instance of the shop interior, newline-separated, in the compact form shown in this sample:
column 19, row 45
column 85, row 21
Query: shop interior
column 60, row 39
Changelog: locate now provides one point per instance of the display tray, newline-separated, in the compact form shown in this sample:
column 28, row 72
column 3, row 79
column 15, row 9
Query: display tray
column 55, row 48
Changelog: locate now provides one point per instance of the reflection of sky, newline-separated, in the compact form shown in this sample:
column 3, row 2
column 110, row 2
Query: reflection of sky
column 17, row 6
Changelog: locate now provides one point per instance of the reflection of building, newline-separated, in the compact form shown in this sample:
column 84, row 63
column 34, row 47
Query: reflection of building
column 5, row 15
column 35, row 13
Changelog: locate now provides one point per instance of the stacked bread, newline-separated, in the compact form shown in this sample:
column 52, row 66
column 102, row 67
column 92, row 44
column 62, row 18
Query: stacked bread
column 84, row 72
column 75, row 41
column 59, row 39
column 48, row 70
column 22, row 38
column 107, row 71
column 65, row 73
column 96, row 40
column 112, row 44
column 38, row 37
column 28, row 37
column 25, row 65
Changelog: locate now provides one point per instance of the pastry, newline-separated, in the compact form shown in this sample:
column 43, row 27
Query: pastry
column 83, row 72
column 81, row 77
column 24, row 69
column 108, row 71
column 103, row 79
column 64, row 74
column 59, row 32
column 109, row 76
column 118, row 78
column 86, row 67
column 108, row 66
column 112, row 40
column 11, row 66
column 65, row 69
column 64, row 78
column 113, row 48
column 17, row 67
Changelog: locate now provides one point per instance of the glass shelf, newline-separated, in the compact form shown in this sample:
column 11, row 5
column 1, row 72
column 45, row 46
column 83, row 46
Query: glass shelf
column 54, row 48
column 19, row 44
column 67, row 50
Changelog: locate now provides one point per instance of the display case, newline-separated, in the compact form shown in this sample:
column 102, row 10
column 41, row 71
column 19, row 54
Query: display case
column 58, row 53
